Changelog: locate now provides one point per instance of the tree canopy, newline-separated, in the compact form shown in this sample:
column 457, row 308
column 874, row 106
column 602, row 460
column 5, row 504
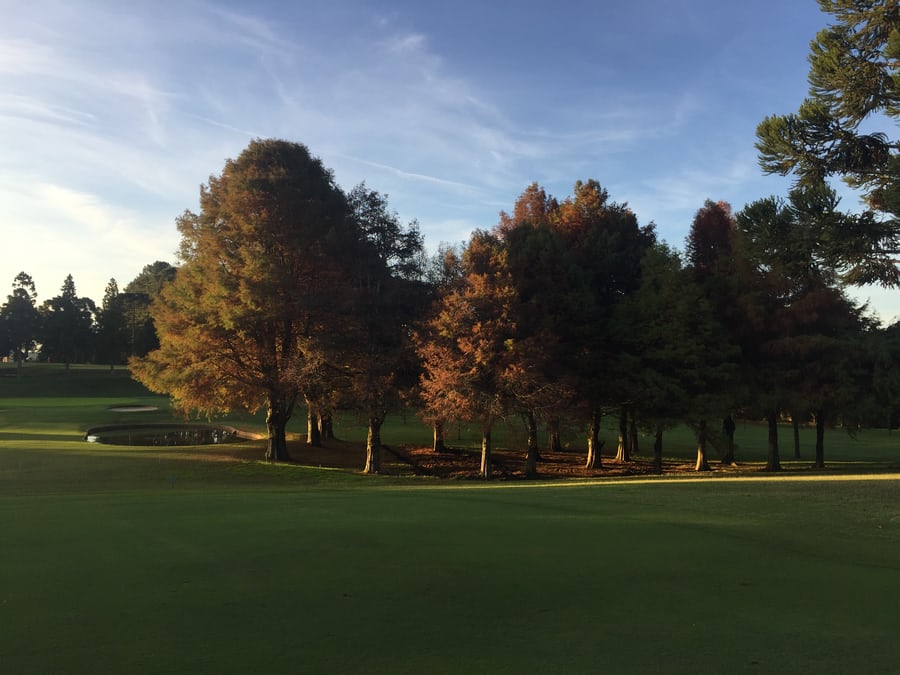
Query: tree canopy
column 854, row 79
column 19, row 319
column 264, row 284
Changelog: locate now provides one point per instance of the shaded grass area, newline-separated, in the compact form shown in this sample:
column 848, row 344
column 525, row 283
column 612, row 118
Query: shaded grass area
column 670, row 577
column 51, row 400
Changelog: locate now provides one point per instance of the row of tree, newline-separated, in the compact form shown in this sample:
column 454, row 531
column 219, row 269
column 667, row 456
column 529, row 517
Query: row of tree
column 69, row 329
column 292, row 292
column 572, row 306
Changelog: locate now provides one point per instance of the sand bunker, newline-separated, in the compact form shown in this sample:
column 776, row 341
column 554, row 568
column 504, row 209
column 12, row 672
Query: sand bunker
column 133, row 408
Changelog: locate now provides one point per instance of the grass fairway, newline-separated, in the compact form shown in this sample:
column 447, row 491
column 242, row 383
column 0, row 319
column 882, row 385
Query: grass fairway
column 145, row 561
column 717, row 576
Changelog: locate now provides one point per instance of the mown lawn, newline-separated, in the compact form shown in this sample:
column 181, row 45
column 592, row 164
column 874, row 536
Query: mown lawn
column 149, row 560
column 720, row 576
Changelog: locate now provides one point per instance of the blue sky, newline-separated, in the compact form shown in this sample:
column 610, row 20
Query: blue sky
column 113, row 113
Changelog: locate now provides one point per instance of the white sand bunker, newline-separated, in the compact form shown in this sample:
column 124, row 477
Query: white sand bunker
column 133, row 408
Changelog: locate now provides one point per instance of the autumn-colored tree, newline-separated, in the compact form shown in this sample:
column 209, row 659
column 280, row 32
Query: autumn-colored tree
column 444, row 274
column 264, row 285
column 467, row 358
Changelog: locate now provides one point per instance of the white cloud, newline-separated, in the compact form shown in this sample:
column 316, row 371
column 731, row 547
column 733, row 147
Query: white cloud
column 410, row 43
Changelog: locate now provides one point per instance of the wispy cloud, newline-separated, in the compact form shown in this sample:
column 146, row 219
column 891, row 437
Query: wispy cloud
column 409, row 43
column 120, row 110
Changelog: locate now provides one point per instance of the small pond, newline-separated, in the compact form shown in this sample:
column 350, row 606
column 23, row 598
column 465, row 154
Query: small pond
column 163, row 434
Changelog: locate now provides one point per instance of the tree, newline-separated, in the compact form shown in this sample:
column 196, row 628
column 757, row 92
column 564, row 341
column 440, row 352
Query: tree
column 112, row 327
column 546, row 296
column 605, row 244
column 264, row 286
column 679, row 353
column 803, row 351
column 390, row 293
column 444, row 274
column 19, row 319
column 467, row 357
column 136, row 299
column 67, row 326
column 729, row 287
column 883, row 348
column 853, row 79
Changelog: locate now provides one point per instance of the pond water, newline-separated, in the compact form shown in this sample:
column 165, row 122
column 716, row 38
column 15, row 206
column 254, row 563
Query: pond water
column 162, row 435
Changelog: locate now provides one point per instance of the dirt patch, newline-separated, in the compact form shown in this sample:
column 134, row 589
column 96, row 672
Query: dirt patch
column 462, row 464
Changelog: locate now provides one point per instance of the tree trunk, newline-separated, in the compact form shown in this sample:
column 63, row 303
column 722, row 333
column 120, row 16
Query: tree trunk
column 553, row 442
column 594, row 445
column 486, row 453
column 728, row 429
column 313, row 437
column 277, row 416
column 796, row 424
column 531, row 455
column 820, row 439
column 438, row 445
column 623, row 453
column 702, row 459
column 326, row 426
column 773, row 463
column 633, row 448
column 373, row 445
column 657, row 450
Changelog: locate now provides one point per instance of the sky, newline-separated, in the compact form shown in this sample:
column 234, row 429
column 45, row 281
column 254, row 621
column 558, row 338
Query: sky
column 112, row 114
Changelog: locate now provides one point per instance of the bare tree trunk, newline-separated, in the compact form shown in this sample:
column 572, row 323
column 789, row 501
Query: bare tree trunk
column 657, row 450
column 820, row 439
column 554, row 443
column 623, row 453
column 702, row 459
column 326, row 426
column 531, row 455
column 796, row 424
column 277, row 416
column 728, row 429
column 594, row 460
column 486, row 453
column 774, row 462
column 633, row 448
column 373, row 445
column 313, row 437
column 438, row 444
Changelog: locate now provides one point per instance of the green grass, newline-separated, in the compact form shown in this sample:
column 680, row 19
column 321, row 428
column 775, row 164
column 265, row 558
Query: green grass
column 142, row 560
column 712, row 577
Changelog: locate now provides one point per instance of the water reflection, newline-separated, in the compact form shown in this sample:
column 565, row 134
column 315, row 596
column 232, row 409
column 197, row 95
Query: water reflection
column 163, row 436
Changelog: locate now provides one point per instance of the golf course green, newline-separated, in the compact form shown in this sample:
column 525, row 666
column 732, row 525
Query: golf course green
column 149, row 560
